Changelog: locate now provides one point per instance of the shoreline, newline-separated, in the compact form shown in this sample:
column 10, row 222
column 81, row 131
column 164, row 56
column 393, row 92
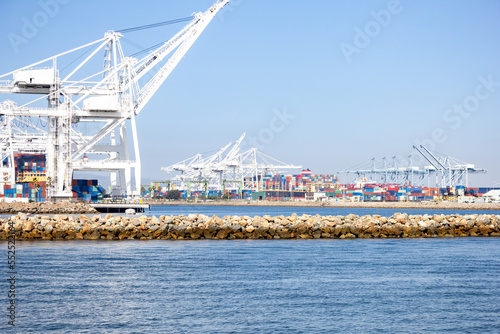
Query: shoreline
column 370, row 205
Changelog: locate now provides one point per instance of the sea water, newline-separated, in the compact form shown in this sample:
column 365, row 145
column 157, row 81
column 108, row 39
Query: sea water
column 449, row 285
column 251, row 211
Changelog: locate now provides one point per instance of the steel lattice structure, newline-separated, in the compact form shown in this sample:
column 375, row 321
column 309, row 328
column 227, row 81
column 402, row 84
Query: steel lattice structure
column 109, row 100
column 228, row 165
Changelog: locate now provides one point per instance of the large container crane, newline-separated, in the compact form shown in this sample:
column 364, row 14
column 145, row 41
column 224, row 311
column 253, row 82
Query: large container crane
column 111, row 98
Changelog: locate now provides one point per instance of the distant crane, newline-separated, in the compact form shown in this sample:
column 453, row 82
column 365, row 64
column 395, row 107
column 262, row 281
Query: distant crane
column 230, row 169
column 449, row 172
column 399, row 171
column 109, row 99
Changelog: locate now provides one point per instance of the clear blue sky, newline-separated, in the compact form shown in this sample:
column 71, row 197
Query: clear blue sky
column 397, row 88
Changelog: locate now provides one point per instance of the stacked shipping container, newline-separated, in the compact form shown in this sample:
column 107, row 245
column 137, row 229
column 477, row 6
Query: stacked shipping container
column 24, row 190
column 87, row 190
column 298, row 182
column 30, row 168
column 303, row 187
column 245, row 194
column 30, row 176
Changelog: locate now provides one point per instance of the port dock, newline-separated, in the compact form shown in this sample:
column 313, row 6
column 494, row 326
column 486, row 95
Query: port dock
column 119, row 207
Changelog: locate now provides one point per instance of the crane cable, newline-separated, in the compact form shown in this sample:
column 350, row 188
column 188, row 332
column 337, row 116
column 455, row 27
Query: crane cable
column 148, row 49
column 148, row 26
column 155, row 25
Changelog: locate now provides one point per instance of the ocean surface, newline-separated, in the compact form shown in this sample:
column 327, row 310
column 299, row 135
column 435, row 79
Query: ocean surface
column 251, row 211
column 256, row 286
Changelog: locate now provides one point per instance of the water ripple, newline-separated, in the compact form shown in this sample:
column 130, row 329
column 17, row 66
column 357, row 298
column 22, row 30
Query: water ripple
column 259, row 286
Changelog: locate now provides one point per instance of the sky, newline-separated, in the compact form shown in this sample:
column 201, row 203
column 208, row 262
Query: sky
column 328, row 85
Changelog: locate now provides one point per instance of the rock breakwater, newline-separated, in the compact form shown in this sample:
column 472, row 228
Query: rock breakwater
column 46, row 208
column 194, row 227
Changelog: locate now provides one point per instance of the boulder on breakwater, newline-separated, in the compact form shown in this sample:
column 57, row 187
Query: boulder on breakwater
column 194, row 226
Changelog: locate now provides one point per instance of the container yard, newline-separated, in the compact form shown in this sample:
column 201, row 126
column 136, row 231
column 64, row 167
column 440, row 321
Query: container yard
column 31, row 186
column 326, row 187
column 265, row 179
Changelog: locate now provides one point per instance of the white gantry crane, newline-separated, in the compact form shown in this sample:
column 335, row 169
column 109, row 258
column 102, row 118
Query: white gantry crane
column 104, row 103
column 231, row 168
column 449, row 172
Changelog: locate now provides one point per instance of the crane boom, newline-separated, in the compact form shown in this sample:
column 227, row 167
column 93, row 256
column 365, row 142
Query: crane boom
column 433, row 156
column 184, row 40
column 426, row 157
